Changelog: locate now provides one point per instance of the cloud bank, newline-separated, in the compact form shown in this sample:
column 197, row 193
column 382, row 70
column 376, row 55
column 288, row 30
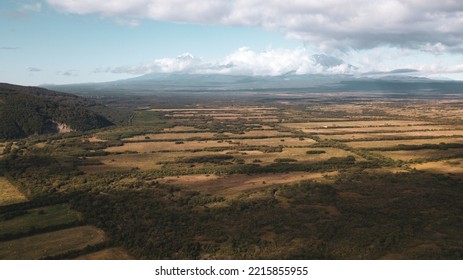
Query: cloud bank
column 244, row 61
column 426, row 25
column 275, row 62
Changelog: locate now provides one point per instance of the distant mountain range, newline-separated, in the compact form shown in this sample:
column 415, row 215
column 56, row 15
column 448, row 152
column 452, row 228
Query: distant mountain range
column 394, row 82
column 26, row 111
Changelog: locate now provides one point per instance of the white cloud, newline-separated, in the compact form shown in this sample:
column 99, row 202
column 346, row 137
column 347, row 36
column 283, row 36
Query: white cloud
column 426, row 25
column 274, row 62
column 438, row 68
column 244, row 61
column 33, row 7
column 183, row 63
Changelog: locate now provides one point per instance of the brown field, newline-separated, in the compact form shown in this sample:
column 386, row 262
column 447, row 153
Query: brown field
column 151, row 159
column 115, row 253
column 235, row 184
column 146, row 147
column 9, row 194
column 161, row 146
column 380, row 129
column 223, row 115
column 209, row 135
column 181, row 128
column 171, row 136
column 393, row 143
column 420, row 154
column 298, row 154
column 272, row 142
column 453, row 166
column 147, row 161
column 269, row 120
column 441, row 133
column 40, row 145
column 259, row 133
column 359, row 124
column 40, row 218
column 141, row 161
column 260, row 118
column 231, row 109
column 95, row 139
column 430, row 110
column 262, row 127
column 51, row 244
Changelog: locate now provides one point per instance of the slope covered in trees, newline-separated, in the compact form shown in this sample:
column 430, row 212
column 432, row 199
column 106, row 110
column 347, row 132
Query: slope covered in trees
column 31, row 110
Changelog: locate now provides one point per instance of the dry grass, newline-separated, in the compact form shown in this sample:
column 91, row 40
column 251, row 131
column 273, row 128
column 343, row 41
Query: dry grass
column 259, row 133
column 231, row 109
column 273, row 142
column 40, row 145
column 235, row 184
column 270, row 120
column 95, row 139
column 393, row 143
column 9, row 194
column 115, row 253
column 380, row 129
column 149, row 161
column 454, row 166
column 298, row 154
column 266, row 118
column 360, row 124
column 147, row 147
column 51, row 244
column 353, row 136
column 171, row 136
column 160, row 146
column 420, row 154
column 180, row 128
column 432, row 109
column 142, row 161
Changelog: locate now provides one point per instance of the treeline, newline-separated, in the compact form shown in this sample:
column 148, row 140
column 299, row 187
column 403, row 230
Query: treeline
column 404, row 147
column 217, row 159
column 290, row 165
column 396, row 138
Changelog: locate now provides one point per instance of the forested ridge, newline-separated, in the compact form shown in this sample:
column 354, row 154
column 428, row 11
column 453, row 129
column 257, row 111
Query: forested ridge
column 31, row 110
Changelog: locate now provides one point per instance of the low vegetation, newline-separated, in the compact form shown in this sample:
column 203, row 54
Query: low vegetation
column 270, row 177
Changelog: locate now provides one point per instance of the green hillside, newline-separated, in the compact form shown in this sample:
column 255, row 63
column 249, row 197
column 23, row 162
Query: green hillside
column 30, row 110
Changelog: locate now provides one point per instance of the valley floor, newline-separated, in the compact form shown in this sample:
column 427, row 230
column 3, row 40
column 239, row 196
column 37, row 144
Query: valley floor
column 270, row 178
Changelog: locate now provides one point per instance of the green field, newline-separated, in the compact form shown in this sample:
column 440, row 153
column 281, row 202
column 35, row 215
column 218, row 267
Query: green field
column 38, row 218
column 51, row 244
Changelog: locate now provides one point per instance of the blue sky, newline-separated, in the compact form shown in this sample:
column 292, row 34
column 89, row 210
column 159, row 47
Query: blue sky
column 68, row 41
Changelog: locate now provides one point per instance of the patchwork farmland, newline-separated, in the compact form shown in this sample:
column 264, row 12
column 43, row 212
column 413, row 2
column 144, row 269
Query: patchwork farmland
column 298, row 178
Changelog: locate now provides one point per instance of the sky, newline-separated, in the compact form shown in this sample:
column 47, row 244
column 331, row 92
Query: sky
column 76, row 41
